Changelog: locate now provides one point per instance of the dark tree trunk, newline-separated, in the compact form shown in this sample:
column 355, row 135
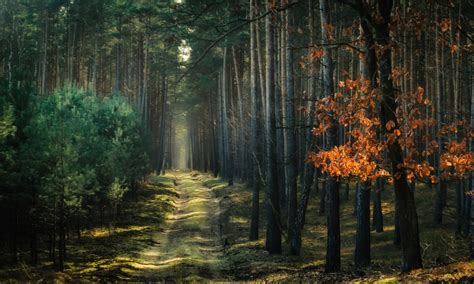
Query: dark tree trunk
column 255, row 138
column 33, row 227
column 460, row 202
column 280, row 138
column 467, row 215
column 62, row 238
column 322, row 198
column 273, row 238
column 13, row 235
column 471, row 219
column 362, row 247
column 333, row 248
column 440, row 186
column 377, row 219
column 293, row 225
column 404, row 197
column 307, row 177
column 397, row 239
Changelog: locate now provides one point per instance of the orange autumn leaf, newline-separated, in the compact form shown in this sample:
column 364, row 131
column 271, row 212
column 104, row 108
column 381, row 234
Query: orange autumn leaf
column 419, row 94
column 390, row 125
column 445, row 25
column 454, row 48
column 317, row 53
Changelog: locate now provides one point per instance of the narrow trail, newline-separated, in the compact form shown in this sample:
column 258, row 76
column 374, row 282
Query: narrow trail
column 190, row 247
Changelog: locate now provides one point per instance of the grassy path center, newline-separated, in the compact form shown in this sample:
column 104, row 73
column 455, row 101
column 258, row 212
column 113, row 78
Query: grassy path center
column 190, row 247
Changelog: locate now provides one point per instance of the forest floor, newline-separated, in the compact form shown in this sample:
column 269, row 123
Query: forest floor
column 190, row 226
column 445, row 257
column 172, row 230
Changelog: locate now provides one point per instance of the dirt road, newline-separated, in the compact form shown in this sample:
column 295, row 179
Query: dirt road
column 191, row 246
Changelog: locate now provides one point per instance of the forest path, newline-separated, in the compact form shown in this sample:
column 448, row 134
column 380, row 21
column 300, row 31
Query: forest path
column 191, row 246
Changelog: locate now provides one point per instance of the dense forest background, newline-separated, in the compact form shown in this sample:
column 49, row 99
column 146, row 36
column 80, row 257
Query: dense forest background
column 299, row 100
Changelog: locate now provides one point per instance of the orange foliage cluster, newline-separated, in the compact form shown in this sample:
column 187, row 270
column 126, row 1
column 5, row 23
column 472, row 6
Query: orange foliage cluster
column 445, row 25
column 343, row 161
column 457, row 161
column 412, row 123
column 362, row 154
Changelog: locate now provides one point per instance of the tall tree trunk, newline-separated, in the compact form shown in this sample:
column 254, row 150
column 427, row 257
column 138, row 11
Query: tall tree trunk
column 273, row 238
column 231, row 128
column 404, row 197
column 118, row 69
column 62, row 235
column 368, row 72
column 255, row 137
column 309, row 142
column 294, row 232
column 260, row 59
column 362, row 246
column 440, row 189
column 279, row 142
column 228, row 171
column 377, row 220
column 333, row 248
column 240, row 127
column 161, row 151
column 220, row 128
column 45, row 57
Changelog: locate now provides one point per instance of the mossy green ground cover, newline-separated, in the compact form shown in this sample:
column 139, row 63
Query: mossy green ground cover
column 193, row 227
column 445, row 257
column 106, row 253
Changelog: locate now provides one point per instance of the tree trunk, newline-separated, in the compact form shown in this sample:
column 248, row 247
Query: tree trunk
column 240, row 129
column 261, row 64
column 306, row 144
column 377, row 220
column 273, row 238
column 333, row 248
column 280, row 141
column 460, row 198
column 440, row 189
column 118, row 69
column 309, row 142
column 291, row 166
column 322, row 198
column 404, row 197
column 362, row 246
column 255, row 138
column 62, row 236
column 45, row 57
column 161, row 153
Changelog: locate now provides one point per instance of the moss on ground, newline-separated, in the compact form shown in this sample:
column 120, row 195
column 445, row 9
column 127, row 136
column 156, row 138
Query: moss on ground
column 109, row 254
column 444, row 256
column 143, row 247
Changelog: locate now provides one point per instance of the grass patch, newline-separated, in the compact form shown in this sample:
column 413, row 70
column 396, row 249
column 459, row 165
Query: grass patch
column 110, row 254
